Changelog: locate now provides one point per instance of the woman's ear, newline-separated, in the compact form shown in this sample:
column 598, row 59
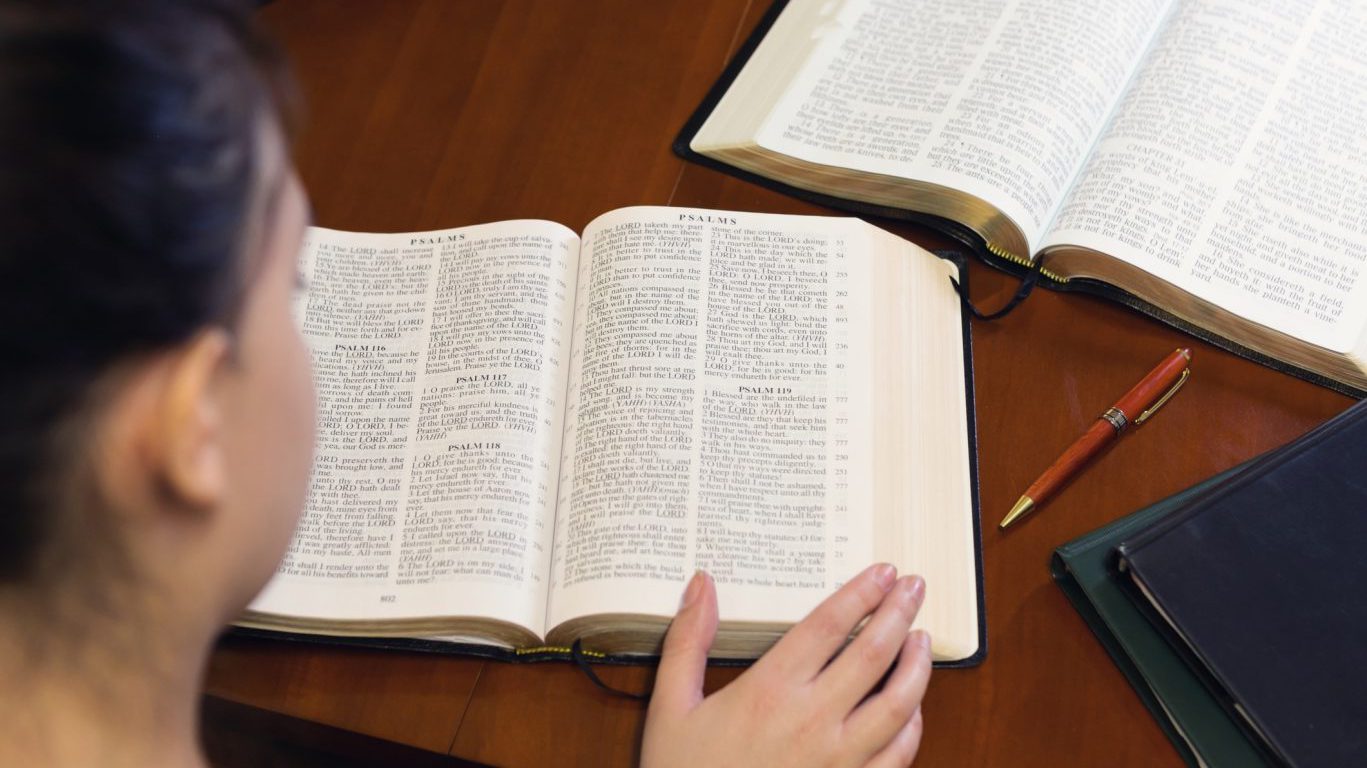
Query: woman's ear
column 188, row 450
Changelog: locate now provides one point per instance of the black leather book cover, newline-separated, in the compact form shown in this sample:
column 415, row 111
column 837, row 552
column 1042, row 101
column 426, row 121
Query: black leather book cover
column 1263, row 583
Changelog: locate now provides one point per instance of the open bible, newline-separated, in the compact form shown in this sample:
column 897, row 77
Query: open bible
column 527, row 438
column 1202, row 160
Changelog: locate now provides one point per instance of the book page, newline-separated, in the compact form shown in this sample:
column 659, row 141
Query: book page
column 710, row 422
column 1233, row 169
column 440, row 360
column 1001, row 99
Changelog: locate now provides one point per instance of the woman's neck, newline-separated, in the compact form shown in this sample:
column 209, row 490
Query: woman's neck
column 97, row 689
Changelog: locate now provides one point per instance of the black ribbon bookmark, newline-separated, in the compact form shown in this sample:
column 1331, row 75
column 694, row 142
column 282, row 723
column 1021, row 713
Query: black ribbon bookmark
column 1022, row 291
column 581, row 661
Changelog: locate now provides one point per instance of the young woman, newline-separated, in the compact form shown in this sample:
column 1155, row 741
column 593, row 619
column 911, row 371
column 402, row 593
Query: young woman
column 156, row 416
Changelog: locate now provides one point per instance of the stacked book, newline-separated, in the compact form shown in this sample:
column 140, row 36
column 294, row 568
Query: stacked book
column 1236, row 608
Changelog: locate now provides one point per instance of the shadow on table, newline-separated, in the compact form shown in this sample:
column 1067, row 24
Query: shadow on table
column 242, row 736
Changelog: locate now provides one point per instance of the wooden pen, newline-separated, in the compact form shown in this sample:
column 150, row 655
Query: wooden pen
column 1143, row 399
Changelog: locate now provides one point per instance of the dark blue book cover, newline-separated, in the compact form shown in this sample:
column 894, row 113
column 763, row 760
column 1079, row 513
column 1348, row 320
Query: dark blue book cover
column 1263, row 584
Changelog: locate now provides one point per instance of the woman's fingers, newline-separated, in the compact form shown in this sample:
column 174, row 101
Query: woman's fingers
column 683, row 662
column 902, row 749
column 883, row 716
column 806, row 648
column 787, row 710
column 865, row 660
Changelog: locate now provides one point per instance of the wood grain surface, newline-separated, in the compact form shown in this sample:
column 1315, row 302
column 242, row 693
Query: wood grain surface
column 441, row 113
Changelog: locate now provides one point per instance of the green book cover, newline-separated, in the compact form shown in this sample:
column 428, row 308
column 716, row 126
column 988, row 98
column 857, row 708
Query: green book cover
column 1193, row 719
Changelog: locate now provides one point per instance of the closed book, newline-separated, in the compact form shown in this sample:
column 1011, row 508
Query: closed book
column 1191, row 716
column 1260, row 581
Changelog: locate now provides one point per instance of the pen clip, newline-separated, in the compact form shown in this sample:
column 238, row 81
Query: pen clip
column 1151, row 410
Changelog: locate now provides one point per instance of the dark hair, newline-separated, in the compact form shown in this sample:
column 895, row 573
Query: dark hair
column 129, row 140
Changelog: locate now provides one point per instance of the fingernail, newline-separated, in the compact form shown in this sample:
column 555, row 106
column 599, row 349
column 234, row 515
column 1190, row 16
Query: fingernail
column 883, row 575
column 922, row 639
column 918, row 589
column 690, row 595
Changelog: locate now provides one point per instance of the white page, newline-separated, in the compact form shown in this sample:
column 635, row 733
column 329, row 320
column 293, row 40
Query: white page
column 715, row 377
column 440, row 360
column 1001, row 99
column 1234, row 168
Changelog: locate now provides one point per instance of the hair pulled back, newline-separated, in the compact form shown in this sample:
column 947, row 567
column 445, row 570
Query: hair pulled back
column 129, row 139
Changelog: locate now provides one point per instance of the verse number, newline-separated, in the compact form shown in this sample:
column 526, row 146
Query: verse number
column 389, row 598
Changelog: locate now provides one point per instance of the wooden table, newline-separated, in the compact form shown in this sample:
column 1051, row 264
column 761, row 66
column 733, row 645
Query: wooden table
column 442, row 113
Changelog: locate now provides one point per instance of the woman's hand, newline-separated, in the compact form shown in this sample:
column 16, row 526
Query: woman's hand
column 792, row 708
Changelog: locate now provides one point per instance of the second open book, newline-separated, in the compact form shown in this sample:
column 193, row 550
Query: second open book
column 1200, row 159
column 527, row 438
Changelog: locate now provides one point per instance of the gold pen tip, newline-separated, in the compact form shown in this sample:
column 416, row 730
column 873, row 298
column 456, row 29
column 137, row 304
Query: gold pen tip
column 1023, row 505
